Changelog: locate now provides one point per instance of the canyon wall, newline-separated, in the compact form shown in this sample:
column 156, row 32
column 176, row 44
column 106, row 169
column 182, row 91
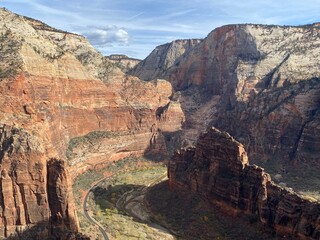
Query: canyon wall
column 218, row 169
column 71, row 109
column 258, row 82
column 35, row 191
column 62, row 88
column 163, row 58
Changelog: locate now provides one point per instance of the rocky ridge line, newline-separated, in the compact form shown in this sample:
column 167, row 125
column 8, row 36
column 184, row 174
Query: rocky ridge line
column 63, row 95
column 258, row 82
column 218, row 169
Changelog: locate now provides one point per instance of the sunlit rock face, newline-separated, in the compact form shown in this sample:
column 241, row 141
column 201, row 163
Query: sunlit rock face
column 35, row 191
column 217, row 168
column 162, row 58
column 69, row 109
column 258, row 82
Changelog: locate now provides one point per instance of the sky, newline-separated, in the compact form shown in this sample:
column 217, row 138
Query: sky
column 136, row 27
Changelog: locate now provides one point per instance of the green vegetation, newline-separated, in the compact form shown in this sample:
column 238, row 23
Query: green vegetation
column 303, row 179
column 190, row 217
column 83, row 182
column 177, row 213
column 87, row 140
column 108, row 201
column 49, row 56
column 10, row 62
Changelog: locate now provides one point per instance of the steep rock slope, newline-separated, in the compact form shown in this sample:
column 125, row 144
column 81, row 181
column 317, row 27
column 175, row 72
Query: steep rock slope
column 162, row 58
column 218, row 169
column 65, row 89
column 56, row 88
column 258, row 82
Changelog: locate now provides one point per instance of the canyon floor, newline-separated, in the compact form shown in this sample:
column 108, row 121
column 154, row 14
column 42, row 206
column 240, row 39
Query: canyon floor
column 135, row 202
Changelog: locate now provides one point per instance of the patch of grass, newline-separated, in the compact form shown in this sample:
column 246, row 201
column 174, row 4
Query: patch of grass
column 305, row 180
column 84, row 181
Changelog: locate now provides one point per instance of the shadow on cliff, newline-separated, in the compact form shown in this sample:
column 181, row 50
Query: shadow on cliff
column 163, row 146
column 42, row 231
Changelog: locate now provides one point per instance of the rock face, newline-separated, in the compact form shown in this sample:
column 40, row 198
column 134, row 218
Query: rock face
column 258, row 82
column 65, row 98
column 218, row 169
column 33, row 191
column 163, row 58
column 123, row 62
column 63, row 88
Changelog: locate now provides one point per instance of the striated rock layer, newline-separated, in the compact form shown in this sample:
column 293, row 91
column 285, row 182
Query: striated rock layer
column 35, row 192
column 74, row 109
column 62, row 88
column 260, row 83
column 218, row 169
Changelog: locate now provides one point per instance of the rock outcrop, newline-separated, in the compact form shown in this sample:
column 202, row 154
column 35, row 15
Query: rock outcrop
column 56, row 88
column 33, row 190
column 162, row 58
column 218, row 169
column 258, row 82
column 63, row 89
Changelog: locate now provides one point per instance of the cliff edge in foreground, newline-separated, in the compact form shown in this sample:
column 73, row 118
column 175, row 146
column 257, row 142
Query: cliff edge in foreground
column 218, row 169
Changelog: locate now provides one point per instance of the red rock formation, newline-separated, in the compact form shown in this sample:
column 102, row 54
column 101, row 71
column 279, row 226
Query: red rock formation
column 31, row 191
column 258, row 82
column 56, row 90
column 218, row 169
column 63, row 213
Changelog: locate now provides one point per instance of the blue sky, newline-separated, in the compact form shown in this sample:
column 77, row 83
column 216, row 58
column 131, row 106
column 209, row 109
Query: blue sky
column 136, row 27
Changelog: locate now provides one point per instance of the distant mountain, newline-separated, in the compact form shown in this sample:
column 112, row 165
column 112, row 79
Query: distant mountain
column 258, row 82
column 123, row 62
column 163, row 58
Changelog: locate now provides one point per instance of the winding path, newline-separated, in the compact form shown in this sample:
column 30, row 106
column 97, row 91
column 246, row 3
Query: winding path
column 85, row 210
column 131, row 213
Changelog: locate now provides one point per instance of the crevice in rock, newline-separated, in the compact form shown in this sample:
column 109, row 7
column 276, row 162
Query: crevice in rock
column 268, row 78
column 293, row 153
column 24, row 202
column 160, row 112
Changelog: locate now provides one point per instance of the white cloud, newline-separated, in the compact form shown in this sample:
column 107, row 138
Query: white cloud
column 108, row 35
column 136, row 27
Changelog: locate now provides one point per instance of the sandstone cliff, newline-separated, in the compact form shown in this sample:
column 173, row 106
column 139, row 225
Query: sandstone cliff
column 35, row 192
column 258, row 82
column 163, row 58
column 63, row 88
column 55, row 87
column 218, row 169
